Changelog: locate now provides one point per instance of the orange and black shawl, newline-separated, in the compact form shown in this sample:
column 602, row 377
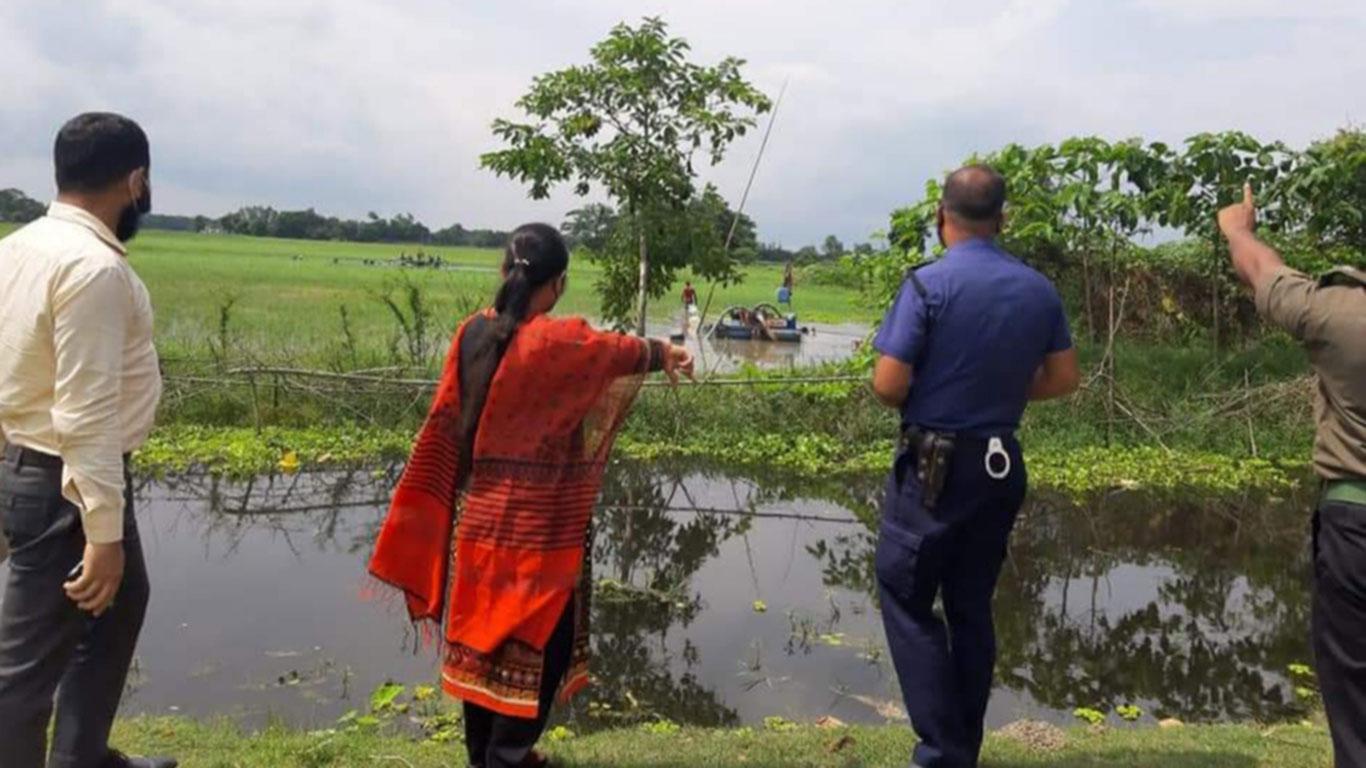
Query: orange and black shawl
column 553, row 408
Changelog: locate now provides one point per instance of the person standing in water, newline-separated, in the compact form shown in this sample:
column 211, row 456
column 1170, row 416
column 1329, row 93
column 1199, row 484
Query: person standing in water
column 500, row 489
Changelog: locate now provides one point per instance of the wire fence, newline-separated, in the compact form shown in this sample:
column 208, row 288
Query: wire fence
column 260, row 395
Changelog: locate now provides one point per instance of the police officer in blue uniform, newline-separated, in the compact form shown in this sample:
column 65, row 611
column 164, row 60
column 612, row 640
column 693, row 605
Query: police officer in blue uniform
column 971, row 338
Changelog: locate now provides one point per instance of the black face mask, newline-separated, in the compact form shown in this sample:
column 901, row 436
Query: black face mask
column 131, row 217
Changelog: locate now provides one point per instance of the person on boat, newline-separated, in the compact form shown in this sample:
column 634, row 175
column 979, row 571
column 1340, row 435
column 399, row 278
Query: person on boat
column 1328, row 316
column 487, row 530
column 971, row 338
column 689, row 295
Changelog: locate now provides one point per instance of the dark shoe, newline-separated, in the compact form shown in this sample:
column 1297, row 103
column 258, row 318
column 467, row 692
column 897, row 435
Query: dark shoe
column 117, row 759
column 538, row 760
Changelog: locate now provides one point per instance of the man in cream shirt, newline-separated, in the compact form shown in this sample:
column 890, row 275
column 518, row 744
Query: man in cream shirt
column 79, row 385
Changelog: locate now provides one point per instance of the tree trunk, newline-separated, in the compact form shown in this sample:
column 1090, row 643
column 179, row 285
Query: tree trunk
column 1086, row 295
column 1218, row 262
column 1110, row 332
column 644, row 295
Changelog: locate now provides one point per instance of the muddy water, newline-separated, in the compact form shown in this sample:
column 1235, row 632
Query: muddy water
column 723, row 600
column 821, row 343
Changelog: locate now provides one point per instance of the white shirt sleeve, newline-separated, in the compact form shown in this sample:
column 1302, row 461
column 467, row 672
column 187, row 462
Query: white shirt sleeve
column 90, row 315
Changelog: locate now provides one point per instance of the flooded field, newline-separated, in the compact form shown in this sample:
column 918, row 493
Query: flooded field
column 722, row 601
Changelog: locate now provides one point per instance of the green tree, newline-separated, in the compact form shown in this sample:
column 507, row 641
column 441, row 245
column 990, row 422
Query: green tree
column 18, row 207
column 694, row 236
column 832, row 248
column 630, row 121
column 1328, row 191
column 590, row 227
column 1209, row 175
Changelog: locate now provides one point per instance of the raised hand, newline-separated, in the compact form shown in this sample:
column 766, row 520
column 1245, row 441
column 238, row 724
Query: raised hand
column 1239, row 218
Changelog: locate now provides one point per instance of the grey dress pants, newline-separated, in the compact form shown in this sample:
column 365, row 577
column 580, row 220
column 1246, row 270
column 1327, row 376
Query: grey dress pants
column 52, row 654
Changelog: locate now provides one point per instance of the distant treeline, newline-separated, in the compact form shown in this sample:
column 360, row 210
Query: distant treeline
column 830, row 250
column 264, row 221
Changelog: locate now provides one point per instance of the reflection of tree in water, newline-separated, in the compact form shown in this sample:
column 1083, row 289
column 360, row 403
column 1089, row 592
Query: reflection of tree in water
column 647, row 550
column 317, row 507
column 646, row 555
column 1194, row 608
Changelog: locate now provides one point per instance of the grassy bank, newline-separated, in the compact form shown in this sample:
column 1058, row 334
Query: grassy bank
column 215, row 745
column 241, row 451
column 1173, row 420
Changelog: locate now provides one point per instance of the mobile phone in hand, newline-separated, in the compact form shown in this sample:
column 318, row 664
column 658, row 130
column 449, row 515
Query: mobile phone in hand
column 76, row 572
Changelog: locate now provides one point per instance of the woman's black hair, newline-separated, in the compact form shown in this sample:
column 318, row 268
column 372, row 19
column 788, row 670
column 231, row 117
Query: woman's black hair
column 536, row 254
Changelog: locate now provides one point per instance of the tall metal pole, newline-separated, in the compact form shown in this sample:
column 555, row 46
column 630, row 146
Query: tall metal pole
column 753, row 171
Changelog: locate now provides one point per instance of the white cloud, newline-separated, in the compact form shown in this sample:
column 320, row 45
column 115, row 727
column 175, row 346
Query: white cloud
column 1243, row 10
column 353, row 106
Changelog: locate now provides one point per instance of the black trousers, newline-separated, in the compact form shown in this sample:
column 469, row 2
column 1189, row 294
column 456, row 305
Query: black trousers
column 1339, row 626
column 50, row 651
column 500, row 741
column 955, row 553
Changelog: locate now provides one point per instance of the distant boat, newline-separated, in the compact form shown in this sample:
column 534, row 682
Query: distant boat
column 764, row 322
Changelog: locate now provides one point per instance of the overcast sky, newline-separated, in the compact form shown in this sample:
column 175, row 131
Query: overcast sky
column 350, row 106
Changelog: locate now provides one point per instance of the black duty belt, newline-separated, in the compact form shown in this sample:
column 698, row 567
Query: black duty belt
column 934, row 453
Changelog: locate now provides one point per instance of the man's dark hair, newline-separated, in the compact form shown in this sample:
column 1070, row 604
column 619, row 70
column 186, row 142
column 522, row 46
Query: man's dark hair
column 975, row 193
column 96, row 149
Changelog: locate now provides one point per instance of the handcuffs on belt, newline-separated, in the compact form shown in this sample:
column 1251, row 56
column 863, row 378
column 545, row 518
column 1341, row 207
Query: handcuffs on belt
column 933, row 454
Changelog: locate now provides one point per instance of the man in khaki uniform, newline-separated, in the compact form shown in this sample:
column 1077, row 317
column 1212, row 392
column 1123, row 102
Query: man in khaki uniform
column 1327, row 316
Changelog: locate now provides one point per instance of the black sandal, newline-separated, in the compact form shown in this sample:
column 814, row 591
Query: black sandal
column 535, row 759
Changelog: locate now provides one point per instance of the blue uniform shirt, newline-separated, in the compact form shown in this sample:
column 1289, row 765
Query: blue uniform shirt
column 975, row 343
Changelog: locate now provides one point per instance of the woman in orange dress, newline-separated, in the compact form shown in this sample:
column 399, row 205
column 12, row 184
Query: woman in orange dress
column 488, row 528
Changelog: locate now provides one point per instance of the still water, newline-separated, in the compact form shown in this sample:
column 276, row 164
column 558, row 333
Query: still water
column 722, row 600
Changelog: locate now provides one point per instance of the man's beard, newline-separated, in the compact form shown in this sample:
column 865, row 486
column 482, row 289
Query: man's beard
column 131, row 217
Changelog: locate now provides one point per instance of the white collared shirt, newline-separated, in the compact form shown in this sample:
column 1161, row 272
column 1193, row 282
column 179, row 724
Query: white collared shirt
column 79, row 377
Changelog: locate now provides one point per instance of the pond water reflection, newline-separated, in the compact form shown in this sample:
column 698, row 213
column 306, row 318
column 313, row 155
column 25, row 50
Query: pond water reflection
column 722, row 600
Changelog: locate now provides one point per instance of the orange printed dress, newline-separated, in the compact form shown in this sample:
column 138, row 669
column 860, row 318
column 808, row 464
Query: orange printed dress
column 496, row 565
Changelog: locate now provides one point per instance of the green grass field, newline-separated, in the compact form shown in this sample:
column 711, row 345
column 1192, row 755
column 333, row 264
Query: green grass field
column 287, row 295
column 215, row 746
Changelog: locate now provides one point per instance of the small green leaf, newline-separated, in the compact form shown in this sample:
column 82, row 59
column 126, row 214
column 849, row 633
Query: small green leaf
column 384, row 696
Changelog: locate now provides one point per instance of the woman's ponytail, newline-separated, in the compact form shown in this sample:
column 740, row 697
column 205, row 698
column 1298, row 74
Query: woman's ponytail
column 536, row 254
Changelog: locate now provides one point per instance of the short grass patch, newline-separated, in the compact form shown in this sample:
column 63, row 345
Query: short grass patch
column 220, row 745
